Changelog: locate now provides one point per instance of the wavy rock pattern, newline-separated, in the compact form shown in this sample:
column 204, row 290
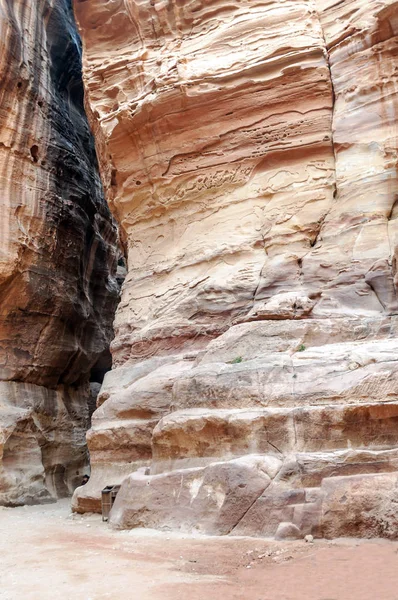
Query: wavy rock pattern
column 57, row 253
column 249, row 153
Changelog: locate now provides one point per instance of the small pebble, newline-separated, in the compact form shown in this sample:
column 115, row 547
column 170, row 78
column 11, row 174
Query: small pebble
column 309, row 539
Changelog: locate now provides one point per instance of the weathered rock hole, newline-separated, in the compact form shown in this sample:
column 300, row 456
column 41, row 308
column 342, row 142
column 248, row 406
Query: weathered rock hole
column 34, row 152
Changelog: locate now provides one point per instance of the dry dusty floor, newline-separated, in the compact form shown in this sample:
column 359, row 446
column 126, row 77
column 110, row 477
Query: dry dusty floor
column 45, row 553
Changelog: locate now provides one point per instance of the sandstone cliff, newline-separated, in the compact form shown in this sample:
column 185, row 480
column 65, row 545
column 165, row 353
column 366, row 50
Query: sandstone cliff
column 57, row 254
column 249, row 154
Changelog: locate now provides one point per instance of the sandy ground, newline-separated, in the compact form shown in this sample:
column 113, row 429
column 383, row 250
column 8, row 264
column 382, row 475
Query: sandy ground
column 47, row 553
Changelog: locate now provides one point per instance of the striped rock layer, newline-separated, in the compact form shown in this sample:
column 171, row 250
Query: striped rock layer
column 249, row 154
column 57, row 254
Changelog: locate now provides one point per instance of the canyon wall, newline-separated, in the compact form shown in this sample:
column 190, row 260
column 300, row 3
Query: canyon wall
column 58, row 254
column 249, row 154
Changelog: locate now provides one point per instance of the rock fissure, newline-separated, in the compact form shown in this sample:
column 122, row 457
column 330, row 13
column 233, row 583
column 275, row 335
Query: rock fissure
column 241, row 518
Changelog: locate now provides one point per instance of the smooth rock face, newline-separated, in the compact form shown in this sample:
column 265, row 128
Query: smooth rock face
column 208, row 500
column 58, row 253
column 249, row 154
column 42, row 441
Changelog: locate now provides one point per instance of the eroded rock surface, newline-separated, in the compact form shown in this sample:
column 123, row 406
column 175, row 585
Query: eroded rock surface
column 249, row 153
column 58, row 254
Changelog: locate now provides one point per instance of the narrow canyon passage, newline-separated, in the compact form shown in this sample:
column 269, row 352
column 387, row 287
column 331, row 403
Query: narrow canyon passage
column 241, row 156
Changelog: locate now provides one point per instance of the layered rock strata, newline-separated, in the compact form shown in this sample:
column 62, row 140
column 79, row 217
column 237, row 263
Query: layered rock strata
column 58, row 254
column 249, row 153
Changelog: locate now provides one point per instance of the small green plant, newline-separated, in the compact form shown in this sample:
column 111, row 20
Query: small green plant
column 294, row 375
column 301, row 348
column 236, row 360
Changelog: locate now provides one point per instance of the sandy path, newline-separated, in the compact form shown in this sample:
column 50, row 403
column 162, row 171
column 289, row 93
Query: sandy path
column 47, row 554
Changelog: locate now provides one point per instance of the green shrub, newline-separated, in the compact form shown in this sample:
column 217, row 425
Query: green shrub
column 236, row 360
column 301, row 348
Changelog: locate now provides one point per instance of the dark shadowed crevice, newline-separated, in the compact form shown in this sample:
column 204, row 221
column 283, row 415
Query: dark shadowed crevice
column 60, row 297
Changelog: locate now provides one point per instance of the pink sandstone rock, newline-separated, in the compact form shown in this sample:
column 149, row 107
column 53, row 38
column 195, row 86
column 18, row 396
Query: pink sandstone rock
column 248, row 151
